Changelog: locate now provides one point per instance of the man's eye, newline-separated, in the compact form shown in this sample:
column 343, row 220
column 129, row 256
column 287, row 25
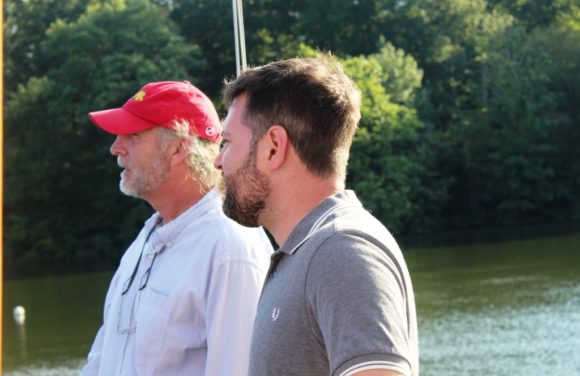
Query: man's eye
column 223, row 144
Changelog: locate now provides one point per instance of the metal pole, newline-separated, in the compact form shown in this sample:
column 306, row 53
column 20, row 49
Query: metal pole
column 242, row 36
column 239, row 36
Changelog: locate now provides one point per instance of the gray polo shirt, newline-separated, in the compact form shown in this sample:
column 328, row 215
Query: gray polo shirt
column 337, row 300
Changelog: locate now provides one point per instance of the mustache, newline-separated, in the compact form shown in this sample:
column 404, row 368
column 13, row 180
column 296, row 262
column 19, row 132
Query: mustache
column 120, row 163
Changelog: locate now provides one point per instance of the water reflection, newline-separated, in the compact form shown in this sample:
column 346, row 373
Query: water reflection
column 63, row 313
column 500, row 308
column 515, row 339
column 21, row 330
column 503, row 306
column 67, row 368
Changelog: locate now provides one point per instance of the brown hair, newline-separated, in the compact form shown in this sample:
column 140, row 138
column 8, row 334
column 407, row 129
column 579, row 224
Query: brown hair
column 312, row 98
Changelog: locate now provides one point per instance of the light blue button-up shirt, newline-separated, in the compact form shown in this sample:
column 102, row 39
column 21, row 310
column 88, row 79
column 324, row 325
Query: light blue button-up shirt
column 194, row 314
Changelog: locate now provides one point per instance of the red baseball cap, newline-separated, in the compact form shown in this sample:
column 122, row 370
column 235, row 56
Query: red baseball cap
column 162, row 104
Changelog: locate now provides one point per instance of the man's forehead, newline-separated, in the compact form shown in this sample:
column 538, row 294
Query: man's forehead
column 234, row 127
column 155, row 129
column 226, row 125
column 233, row 123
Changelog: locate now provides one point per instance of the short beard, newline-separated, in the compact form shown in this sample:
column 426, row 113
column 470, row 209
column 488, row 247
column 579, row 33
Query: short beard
column 246, row 210
column 146, row 181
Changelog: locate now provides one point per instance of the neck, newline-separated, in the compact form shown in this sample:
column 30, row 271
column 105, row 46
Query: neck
column 291, row 202
column 175, row 198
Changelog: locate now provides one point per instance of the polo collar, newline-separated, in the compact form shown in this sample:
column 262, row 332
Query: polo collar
column 320, row 215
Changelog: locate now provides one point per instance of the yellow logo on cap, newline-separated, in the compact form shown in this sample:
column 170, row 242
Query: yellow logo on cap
column 139, row 96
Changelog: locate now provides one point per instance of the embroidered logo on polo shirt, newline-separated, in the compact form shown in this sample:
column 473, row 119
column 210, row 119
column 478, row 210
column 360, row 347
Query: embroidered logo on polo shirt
column 275, row 313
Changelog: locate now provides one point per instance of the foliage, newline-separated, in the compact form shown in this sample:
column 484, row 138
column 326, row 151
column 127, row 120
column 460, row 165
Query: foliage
column 470, row 107
column 208, row 24
column 61, row 198
column 534, row 13
column 25, row 25
column 512, row 143
column 387, row 164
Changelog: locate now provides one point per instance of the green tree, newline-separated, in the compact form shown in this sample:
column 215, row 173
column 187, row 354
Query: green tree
column 470, row 107
column 534, row 13
column 388, row 158
column 209, row 25
column 561, row 42
column 497, row 101
column 25, row 24
column 61, row 197
column 345, row 27
column 269, row 35
column 510, row 154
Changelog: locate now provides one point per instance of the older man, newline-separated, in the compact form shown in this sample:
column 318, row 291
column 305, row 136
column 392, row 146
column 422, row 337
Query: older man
column 184, row 297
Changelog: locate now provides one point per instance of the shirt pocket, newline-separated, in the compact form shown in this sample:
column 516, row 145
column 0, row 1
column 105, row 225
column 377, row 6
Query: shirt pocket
column 152, row 320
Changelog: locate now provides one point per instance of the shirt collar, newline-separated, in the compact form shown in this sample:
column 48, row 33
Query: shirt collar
column 164, row 235
column 329, row 206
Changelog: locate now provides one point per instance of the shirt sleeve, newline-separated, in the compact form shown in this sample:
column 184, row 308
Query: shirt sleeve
column 356, row 300
column 231, row 308
column 91, row 367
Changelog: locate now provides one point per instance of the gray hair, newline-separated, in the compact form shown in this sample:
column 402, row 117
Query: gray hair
column 200, row 156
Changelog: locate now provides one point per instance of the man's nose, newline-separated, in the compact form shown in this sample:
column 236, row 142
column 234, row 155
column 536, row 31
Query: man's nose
column 117, row 147
column 217, row 163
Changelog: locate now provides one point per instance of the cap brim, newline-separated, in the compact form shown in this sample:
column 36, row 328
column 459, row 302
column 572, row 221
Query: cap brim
column 119, row 121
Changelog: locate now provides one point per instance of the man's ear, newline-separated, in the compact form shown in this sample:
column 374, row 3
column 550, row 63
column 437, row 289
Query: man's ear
column 275, row 147
column 178, row 150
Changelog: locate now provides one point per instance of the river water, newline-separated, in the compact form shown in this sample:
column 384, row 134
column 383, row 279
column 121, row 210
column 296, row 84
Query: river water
column 497, row 302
